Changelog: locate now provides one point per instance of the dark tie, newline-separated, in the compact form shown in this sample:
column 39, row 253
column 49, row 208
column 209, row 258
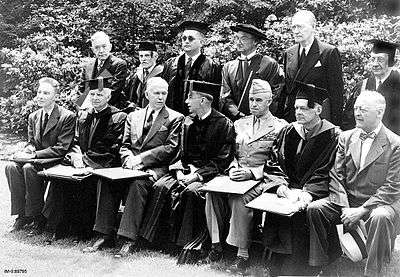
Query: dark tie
column 242, row 70
column 379, row 84
column 99, row 65
column 44, row 123
column 364, row 136
column 187, row 67
column 302, row 57
column 147, row 124
column 145, row 73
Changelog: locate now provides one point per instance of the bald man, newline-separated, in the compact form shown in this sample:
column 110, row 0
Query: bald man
column 150, row 142
column 255, row 135
column 364, row 184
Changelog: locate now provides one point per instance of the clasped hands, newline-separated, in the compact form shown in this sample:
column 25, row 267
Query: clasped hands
column 240, row 174
column 299, row 197
column 27, row 153
column 351, row 216
column 188, row 178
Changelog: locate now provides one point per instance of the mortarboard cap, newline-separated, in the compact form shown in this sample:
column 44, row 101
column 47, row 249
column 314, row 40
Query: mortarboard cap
column 99, row 83
column 147, row 46
column 194, row 25
column 250, row 29
column 209, row 90
column 380, row 46
column 311, row 93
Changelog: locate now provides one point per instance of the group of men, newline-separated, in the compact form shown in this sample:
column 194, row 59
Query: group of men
column 192, row 122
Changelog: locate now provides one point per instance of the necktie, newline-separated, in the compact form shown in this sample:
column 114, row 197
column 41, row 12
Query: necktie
column 379, row 84
column 145, row 73
column 242, row 70
column 302, row 57
column 364, row 136
column 93, row 127
column 99, row 65
column 256, row 125
column 187, row 67
column 44, row 123
column 148, row 123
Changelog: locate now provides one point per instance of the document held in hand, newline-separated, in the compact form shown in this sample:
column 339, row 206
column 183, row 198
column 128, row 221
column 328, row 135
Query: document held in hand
column 270, row 202
column 65, row 172
column 224, row 184
column 119, row 173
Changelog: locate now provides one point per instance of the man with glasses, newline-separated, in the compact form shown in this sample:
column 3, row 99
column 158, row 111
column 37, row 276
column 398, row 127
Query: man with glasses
column 314, row 62
column 192, row 64
column 238, row 74
column 384, row 80
column 104, row 65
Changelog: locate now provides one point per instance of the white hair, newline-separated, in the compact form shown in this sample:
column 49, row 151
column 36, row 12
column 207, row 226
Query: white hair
column 99, row 35
column 307, row 14
column 378, row 100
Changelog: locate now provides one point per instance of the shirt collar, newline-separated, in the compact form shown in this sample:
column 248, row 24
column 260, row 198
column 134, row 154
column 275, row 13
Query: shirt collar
column 249, row 56
column 155, row 113
column 150, row 69
column 384, row 77
column 376, row 130
column 49, row 112
column 206, row 115
column 105, row 107
column 194, row 58
column 307, row 48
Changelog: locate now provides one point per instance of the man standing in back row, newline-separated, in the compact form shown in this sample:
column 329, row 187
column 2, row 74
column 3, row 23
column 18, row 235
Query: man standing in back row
column 313, row 62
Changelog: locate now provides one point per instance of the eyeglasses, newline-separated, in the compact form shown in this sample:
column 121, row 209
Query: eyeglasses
column 377, row 59
column 189, row 38
column 242, row 38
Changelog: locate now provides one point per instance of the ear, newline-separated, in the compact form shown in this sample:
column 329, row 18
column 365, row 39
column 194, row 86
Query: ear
column 146, row 94
column 318, row 109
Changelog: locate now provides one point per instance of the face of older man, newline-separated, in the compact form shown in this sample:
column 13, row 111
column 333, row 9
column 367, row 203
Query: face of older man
column 379, row 64
column 304, row 114
column 191, row 41
column 46, row 95
column 99, row 99
column 302, row 28
column 157, row 94
column 367, row 113
column 245, row 43
column 259, row 103
column 193, row 102
column 147, row 59
column 101, row 47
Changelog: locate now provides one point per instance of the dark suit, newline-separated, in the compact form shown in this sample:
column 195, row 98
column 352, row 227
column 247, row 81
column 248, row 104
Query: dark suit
column 375, row 186
column 157, row 149
column 26, row 187
column 262, row 67
column 202, row 69
column 135, row 86
column 117, row 68
column 72, row 205
column 322, row 67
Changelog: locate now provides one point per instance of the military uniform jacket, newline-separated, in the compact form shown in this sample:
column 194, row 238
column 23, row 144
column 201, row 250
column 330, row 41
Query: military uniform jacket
column 260, row 67
column 390, row 88
column 100, row 150
column 208, row 144
column 203, row 69
column 253, row 150
column 135, row 86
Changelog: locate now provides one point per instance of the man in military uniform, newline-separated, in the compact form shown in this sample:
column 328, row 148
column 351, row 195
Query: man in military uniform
column 192, row 65
column 255, row 135
column 238, row 74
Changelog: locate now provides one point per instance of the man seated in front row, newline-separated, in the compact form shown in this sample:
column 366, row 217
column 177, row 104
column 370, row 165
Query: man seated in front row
column 71, row 206
column 50, row 134
column 150, row 142
column 365, row 184
column 255, row 135
column 304, row 154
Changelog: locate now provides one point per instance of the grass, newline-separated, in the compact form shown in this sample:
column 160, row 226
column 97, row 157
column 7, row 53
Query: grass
column 64, row 257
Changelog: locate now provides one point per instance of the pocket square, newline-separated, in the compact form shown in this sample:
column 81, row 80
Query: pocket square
column 318, row 64
column 163, row 128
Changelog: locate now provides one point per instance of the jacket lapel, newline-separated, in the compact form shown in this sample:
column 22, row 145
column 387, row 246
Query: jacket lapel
column 377, row 148
column 139, row 121
column 53, row 119
column 158, row 69
column 310, row 61
column 292, row 62
column 106, row 64
column 158, row 122
column 38, row 124
column 265, row 128
column 355, row 148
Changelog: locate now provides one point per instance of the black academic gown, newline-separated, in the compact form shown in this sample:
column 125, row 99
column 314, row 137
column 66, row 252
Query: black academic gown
column 202, row 69
column 304, row 167
column 71, row 207
column 390, row 88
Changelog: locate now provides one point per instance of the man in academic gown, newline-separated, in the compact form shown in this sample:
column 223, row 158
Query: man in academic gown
column 135, row 86
column 364, row 185
column 50, row 134
column 104, row 65
column 238, row 74
column 71, row 206
column 384, row 80
column 191, row 65
column 255, row 135
column 305, row 152
column 150, row 143
column 314, row 62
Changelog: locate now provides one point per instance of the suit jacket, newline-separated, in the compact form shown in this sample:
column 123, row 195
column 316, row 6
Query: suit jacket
column 377, row 182
column 135, row 86
column 57, row 136
column 254, row 150
column 263, row 67
column 202, row 69
column 161, row 144
column 117, row 68
column 323, row 68
column 102, row 149
column 390, row 88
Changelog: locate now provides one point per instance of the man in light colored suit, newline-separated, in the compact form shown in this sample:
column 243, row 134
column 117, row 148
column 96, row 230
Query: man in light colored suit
column 50, row 134
column 255, row 135
column 150, row 142
column 365, row 184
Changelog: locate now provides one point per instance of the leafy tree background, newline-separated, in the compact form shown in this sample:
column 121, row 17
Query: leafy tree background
column 50, row 37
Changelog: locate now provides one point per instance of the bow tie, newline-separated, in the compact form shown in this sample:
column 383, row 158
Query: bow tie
column 364, row 136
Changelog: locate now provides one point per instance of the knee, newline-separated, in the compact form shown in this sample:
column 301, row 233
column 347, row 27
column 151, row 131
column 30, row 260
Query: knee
column 28, row 167
column 314, row 209
column 11, row 167
column 380, row 214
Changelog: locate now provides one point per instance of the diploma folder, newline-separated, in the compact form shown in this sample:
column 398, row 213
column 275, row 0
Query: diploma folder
column 224, row 184
column 270, row 202
column 65, row 172
column 119, row 173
